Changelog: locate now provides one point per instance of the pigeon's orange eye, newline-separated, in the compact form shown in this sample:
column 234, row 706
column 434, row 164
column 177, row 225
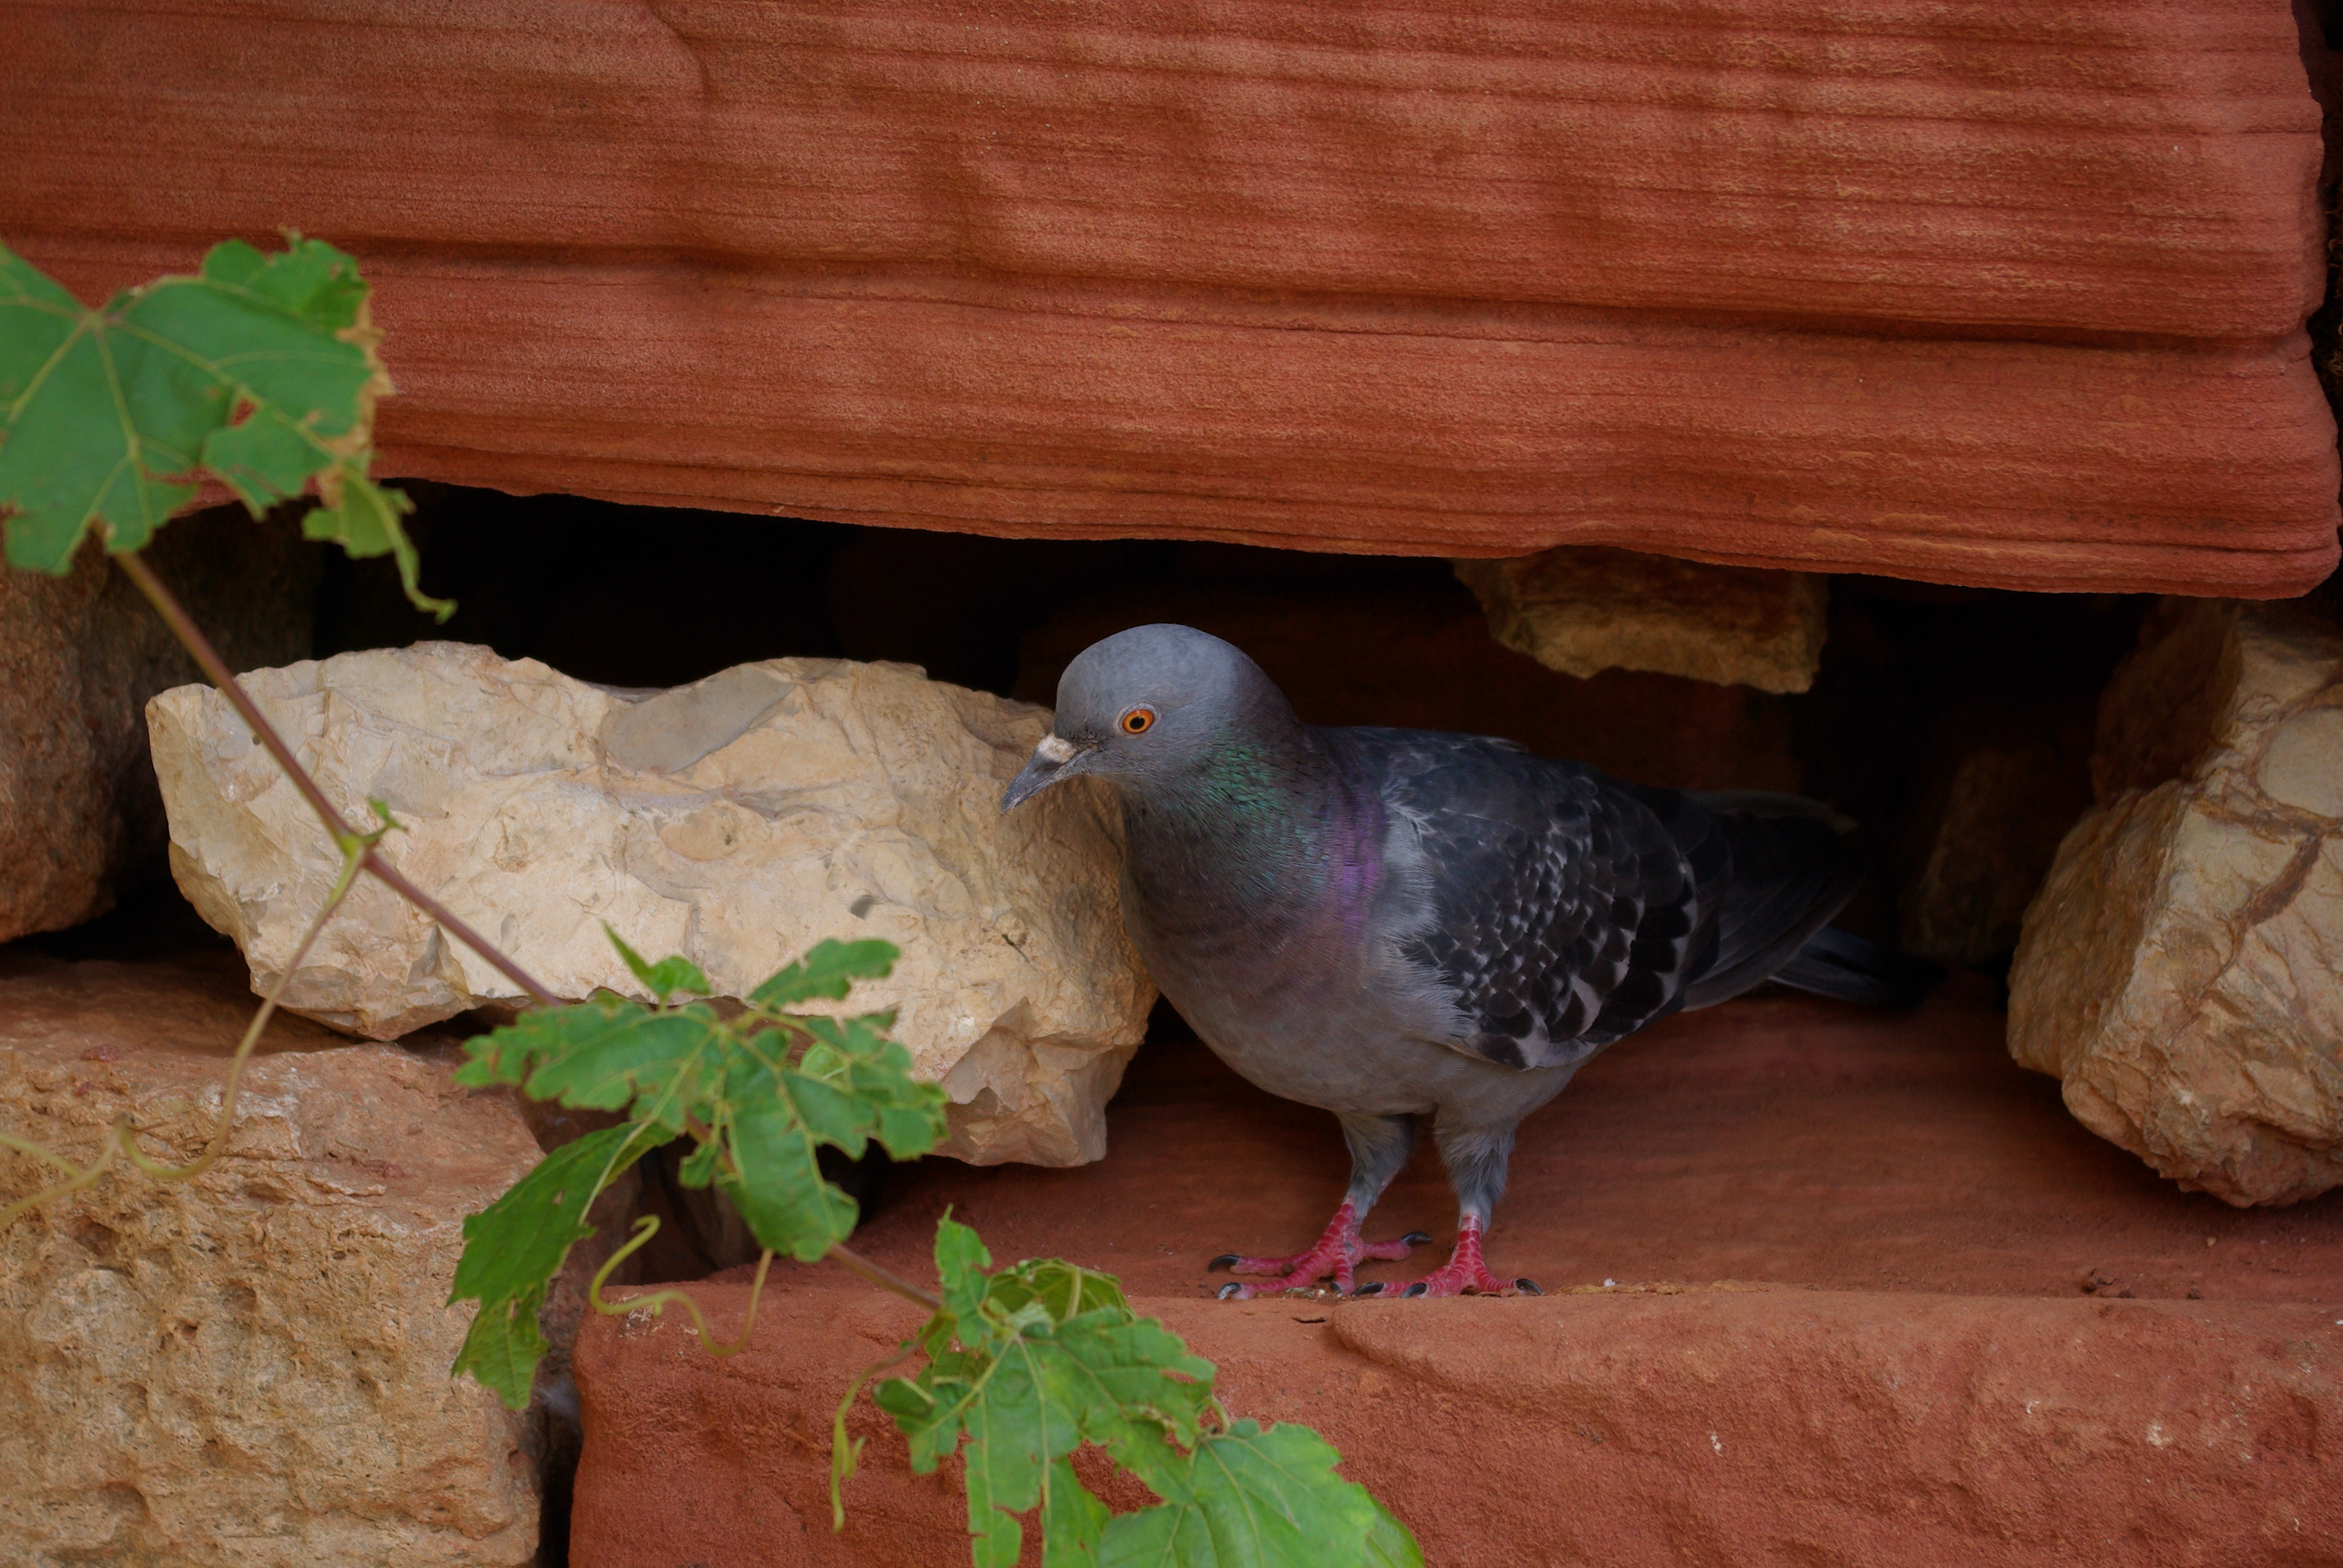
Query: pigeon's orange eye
column 1138, row 721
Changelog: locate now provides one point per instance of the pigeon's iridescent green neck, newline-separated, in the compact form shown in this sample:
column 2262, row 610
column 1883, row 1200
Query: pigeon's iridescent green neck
column 1256, row 829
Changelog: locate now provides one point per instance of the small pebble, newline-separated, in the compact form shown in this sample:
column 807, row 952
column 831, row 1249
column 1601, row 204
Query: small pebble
column 1608, row 1284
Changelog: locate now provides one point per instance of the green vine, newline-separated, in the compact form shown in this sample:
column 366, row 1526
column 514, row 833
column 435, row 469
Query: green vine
column 262, row 371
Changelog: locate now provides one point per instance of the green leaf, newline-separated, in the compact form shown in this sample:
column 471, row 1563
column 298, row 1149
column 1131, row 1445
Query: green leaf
column 1027, row 1364
column 1073, row 1521
column 363, row 517
column 664, row 978
column 1390, row 1544
column 827, row 972
column 1252, row 1497
column 261, row 369
column 761, row 1122
column 780, row 1191
column 960, row 1262
column 513, row 1247
column 602, row 1055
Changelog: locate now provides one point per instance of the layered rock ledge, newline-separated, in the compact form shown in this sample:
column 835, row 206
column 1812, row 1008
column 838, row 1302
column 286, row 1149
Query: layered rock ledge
column 1975, row 293
column 1872, row 1297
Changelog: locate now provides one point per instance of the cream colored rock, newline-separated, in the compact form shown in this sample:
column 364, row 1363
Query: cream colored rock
column 2181, row 970
column 738, row 820
column 1583, row 609
column 249, row 1370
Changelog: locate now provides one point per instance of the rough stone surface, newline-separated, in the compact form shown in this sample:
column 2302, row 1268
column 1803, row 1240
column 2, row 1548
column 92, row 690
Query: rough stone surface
column 1973, row 292
column 1352, row 654
column 249, row 1370
column 1879, row 1300
column 79, row 656
column 736, row 820
column 2180, row 968
column 1714, row 1426
column 1582, row 611
column 2000, row 783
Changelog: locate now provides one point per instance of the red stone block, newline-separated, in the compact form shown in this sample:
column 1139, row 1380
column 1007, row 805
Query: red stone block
column 1971, row 292
column 1878, row 1300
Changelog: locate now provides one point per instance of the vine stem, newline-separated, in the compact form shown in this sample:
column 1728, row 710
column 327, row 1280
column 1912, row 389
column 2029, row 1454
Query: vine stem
column 353, row 847
column 884, row 1278
column 120, row 1139
column 656, row 1302
column 191, row 637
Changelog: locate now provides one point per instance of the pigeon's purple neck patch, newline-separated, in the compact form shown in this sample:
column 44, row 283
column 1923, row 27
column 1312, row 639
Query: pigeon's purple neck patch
column 1354, row 852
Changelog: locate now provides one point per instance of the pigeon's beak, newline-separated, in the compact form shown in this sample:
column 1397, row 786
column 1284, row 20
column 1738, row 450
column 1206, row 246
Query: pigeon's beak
column 1054, row 759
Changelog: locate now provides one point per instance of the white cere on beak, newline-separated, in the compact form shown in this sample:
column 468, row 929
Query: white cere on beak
column 1055, row 749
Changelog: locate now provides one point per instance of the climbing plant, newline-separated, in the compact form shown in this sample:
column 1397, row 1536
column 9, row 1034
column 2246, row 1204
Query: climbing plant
column 261, row 371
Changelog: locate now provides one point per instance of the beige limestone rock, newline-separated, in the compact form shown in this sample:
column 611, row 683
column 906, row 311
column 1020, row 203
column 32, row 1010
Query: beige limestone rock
column 736, row 820
column 249, row 1370
column 79, row 656
column 2181, row 970
column 1584, row 609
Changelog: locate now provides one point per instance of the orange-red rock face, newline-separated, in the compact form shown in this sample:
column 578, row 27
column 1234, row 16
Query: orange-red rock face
column 1965, row 291
column 1880, row 1300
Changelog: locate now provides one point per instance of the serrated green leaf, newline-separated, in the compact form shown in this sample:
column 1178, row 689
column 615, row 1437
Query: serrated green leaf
column 600, row 1055
column 1047, row 1356
column 1013, row 1434
column 672, row 974
column 829, row 972
column 906, row 1133
column 1073, row 1521
column 1064, row 1289
column 363, row 517
column 779, row 1190
column 261, row 368
column 701, row 1165
column 1253, row 1497
column 1390, row 1544
column 960, row 1262
column 513, row 1247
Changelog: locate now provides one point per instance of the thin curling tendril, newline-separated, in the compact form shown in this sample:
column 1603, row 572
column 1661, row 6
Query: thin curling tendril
column 657, row 1302
column 123, row 1139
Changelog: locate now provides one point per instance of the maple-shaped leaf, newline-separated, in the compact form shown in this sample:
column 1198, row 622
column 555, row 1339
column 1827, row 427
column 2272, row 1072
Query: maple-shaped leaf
column 260, row 371
column 512, row 1248
column 1028, row 1364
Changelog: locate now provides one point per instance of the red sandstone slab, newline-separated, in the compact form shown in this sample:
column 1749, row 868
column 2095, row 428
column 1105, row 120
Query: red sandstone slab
column 1849, row 1326
column 1778, row 1139
column 1714, row 1427
column 1968, row 292
column 2057, row 167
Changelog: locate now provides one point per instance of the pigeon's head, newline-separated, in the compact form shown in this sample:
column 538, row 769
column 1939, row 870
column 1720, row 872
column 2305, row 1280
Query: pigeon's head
column 1146, row 705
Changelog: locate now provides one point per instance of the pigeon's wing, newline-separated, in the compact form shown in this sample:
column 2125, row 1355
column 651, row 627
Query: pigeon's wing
column 1557, row 912
column 1793, row 867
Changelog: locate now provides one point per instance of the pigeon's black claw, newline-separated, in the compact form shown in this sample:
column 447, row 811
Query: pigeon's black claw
column 1528, row 1287
column 1416, row 1290
column 1415, row 1239
column 1233, row 1288
column 1225, row 1261
column 1376, row 1289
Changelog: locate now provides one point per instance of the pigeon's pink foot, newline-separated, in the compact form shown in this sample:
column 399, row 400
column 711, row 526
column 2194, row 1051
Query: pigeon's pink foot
column 1464, row 1272
column 1338, row 1253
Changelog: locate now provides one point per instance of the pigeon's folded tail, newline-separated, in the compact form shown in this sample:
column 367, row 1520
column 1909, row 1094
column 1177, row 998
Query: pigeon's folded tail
column 1848, row 968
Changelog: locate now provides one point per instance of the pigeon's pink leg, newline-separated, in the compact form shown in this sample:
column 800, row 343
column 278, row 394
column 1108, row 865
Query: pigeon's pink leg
column 1464, row 1272
column 1338, row 1253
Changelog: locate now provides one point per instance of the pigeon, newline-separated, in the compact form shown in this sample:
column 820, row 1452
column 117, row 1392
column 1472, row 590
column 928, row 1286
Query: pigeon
column 1407, row 926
